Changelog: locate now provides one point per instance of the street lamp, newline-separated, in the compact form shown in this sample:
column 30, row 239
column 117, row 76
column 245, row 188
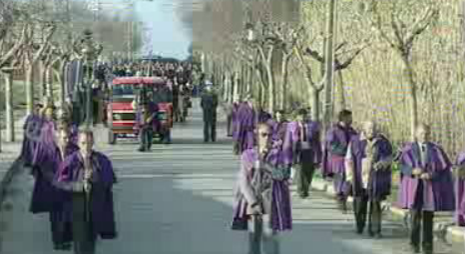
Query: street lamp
column 251, row 36
column 90, row 51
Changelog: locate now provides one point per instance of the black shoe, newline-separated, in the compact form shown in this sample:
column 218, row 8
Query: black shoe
column 359, row 231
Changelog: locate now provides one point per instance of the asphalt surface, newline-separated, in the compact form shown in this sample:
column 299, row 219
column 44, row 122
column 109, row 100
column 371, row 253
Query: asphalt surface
column 177, row 199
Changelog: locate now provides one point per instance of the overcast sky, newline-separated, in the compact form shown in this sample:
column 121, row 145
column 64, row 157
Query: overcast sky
column 164, row 29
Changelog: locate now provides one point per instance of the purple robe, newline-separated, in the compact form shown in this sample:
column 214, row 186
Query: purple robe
column 103, row 217
column 245, row 127
column 335, row 148
column 459, row 190
column 281, row 154
column 313, row 138
column 438, row 193
column 281, row 212
column 32, row 129
column 45, row 164
column 334, row 151
column 379, row 185
column 74, row 134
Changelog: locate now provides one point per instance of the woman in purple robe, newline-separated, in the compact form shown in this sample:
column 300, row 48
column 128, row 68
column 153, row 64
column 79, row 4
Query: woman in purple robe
column 426, row 186
column 46, row 197
column 460, row 190
column 262, row 200
column 369, row 175
column 335, row 149
column 88, row 177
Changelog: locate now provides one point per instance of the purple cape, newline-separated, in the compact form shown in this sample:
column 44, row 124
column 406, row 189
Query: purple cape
column 46, row 162
column 103, row 217
column 460, row 190
column 438, row 193
column 281, row 212
column 245, row 127
column 32, row 129
column 380, row 181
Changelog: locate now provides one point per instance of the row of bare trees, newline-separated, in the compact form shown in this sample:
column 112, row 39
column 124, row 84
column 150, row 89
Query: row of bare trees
column 400, row 63
column 39, row 39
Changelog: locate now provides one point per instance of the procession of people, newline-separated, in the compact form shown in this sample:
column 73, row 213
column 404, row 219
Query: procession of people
column 73, row 182
column 358, row 162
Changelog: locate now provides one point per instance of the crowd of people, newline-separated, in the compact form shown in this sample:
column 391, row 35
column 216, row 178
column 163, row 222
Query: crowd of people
column 73, row 182
column 272, row 148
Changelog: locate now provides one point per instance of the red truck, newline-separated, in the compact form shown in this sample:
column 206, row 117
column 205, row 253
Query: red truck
column 121, row 111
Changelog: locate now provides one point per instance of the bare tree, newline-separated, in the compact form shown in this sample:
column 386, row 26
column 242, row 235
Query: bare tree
column 401, row 37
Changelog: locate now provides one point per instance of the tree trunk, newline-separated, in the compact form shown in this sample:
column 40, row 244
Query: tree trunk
column 30, row 88
column 284, row 80
column 49, row 82
column 329, row 64
column 342, row 99
column 413, row 95
column 271, row 90
column 10, row 121
column 63, row 79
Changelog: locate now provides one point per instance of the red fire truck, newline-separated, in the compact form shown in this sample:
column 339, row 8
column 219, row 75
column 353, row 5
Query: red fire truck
column 122, row 114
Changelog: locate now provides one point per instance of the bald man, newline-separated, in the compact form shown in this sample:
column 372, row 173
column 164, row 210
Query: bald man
column 368, row 170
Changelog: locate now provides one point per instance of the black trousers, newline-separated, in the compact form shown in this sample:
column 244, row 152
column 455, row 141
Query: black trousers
column 365, row 207
column 229, row 128
column 422, row 219
column 304, row 175
column 83, row 234
column 145, row 138
column 209, row 131
column 61, row 229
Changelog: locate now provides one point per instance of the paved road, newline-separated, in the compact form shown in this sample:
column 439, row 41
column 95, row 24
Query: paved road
column 177, row 200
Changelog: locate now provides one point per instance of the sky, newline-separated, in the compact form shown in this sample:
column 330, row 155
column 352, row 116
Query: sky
column 164, row 29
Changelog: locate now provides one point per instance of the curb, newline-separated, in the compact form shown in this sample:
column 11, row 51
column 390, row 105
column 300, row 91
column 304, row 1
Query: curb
column 447, row 231
column 7, row 179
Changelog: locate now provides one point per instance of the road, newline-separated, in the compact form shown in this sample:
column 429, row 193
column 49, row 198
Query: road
column 177, row 199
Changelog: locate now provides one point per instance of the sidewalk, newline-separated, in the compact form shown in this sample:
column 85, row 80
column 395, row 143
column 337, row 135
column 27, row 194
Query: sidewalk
column 444, row 223
column 9, row 158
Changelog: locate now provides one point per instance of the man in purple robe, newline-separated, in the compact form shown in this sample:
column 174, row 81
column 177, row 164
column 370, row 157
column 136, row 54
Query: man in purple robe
column 460, row 190
column 146, row 124
column 306, row 151
column 335, row 149
column 426, row 186
column 245, row 127
column 88, row 177
column 32, row 129
column 46, row 197
column 262, row 200
column 368, row 171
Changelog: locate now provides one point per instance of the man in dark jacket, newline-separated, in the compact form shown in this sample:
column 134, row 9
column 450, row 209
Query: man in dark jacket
column 209, row 103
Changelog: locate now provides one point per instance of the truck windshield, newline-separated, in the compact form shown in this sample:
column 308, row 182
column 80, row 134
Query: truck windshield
column 162, row 95
column 123, row 90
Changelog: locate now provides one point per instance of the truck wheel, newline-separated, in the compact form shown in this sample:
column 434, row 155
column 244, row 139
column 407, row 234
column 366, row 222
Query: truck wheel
column 111, row 138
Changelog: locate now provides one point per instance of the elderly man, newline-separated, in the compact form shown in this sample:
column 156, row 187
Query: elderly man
column 368, row 171
column 146, row 123
column 426, row 186
column 306, row 151
column 209, row 104
column 262, row 196
column 335, row 149
column 88, row 177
